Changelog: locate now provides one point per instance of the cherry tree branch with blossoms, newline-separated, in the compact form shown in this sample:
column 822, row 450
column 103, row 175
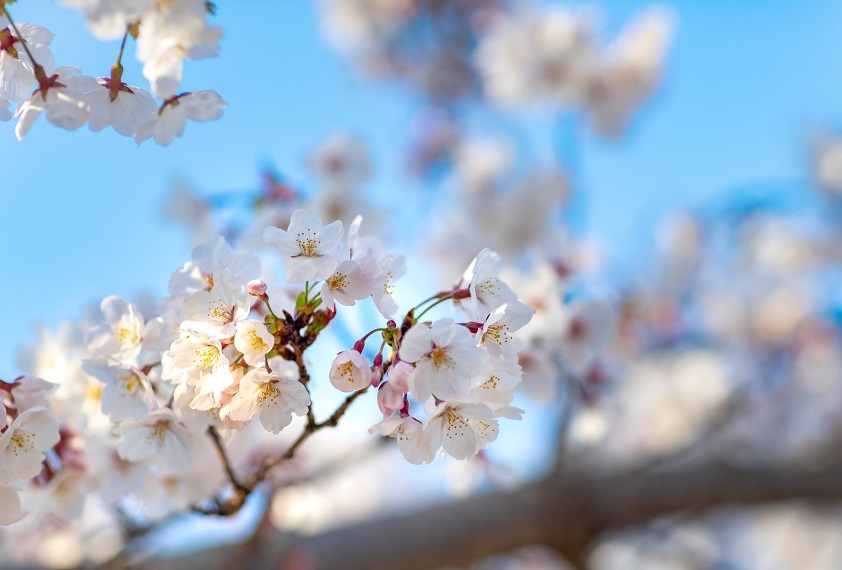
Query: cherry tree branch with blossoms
column 166, row 33
column 218, row 357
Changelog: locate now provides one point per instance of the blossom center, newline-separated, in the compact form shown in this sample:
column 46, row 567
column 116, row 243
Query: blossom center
column 159, row 432
column 7, row 42
column 126, row 335
column 337, row 281
column 268, row 394
column 256, row 342
column 456, row 424
column 21, row 442
column 206, row 357
column 307, row 243
column 441, row 358
column 346, row 370
column 131, row 382
column 218, row 310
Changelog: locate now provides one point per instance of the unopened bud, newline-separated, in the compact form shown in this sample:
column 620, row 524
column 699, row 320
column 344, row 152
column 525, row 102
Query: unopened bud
column 257, row 287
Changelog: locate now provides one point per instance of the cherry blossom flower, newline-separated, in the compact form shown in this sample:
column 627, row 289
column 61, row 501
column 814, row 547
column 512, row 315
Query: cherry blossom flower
column 496, row 333
column 197, row 274
column 446, row 358
column 159, row 437
column 497, row 383
column 120, row 336
column 487, row 290
column 174, row 31
column 170, row 119
column 461, row 429
column 61, row 97
column 272, row 397
column 127, row 392
column 350, row 371
column 23, row 443
column 254, row 340
column 408, row 432
column 307, row 247
column 31, row 392
column 215, row 313
column 348, row 284
column 17, row 72
column 123, row 109
column 197, row 360
column 108, row 19
column 390, row 267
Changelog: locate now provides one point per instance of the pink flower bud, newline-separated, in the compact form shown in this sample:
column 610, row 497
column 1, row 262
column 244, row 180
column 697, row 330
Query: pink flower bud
column 389, row 398
column 257, row 287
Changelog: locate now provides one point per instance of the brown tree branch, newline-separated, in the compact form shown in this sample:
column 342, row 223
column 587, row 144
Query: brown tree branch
column 568, row 513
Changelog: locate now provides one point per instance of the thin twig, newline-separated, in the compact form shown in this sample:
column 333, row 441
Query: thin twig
column 309, row 430
column 242, row 491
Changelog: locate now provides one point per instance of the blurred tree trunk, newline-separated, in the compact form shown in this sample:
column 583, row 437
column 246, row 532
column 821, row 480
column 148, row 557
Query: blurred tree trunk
column 567, row 512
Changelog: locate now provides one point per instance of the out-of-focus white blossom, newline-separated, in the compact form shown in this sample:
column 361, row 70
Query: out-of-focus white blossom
column 171, row 118
column 62, row 98
column 24, row 442
column 159, row 437
column 17, row 72
column 124, row 109
column 174, row 31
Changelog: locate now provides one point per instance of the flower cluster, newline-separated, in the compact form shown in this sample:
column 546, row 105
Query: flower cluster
column 464, row 373
column 28, row 431
column 552, row 54
column 225, row 350
column 167, row 33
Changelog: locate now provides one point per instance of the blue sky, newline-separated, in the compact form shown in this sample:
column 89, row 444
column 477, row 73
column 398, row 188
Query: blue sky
column 80, row 211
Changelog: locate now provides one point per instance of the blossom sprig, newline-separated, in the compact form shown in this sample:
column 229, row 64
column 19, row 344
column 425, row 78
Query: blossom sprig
column 166, row 33
column 227, row 348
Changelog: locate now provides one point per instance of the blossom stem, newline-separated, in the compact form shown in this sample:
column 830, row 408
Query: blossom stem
column 368, row 334
column 439, row 302
column 433, row 298
column 117, row 69
column 122, row 47
column 268, row 306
